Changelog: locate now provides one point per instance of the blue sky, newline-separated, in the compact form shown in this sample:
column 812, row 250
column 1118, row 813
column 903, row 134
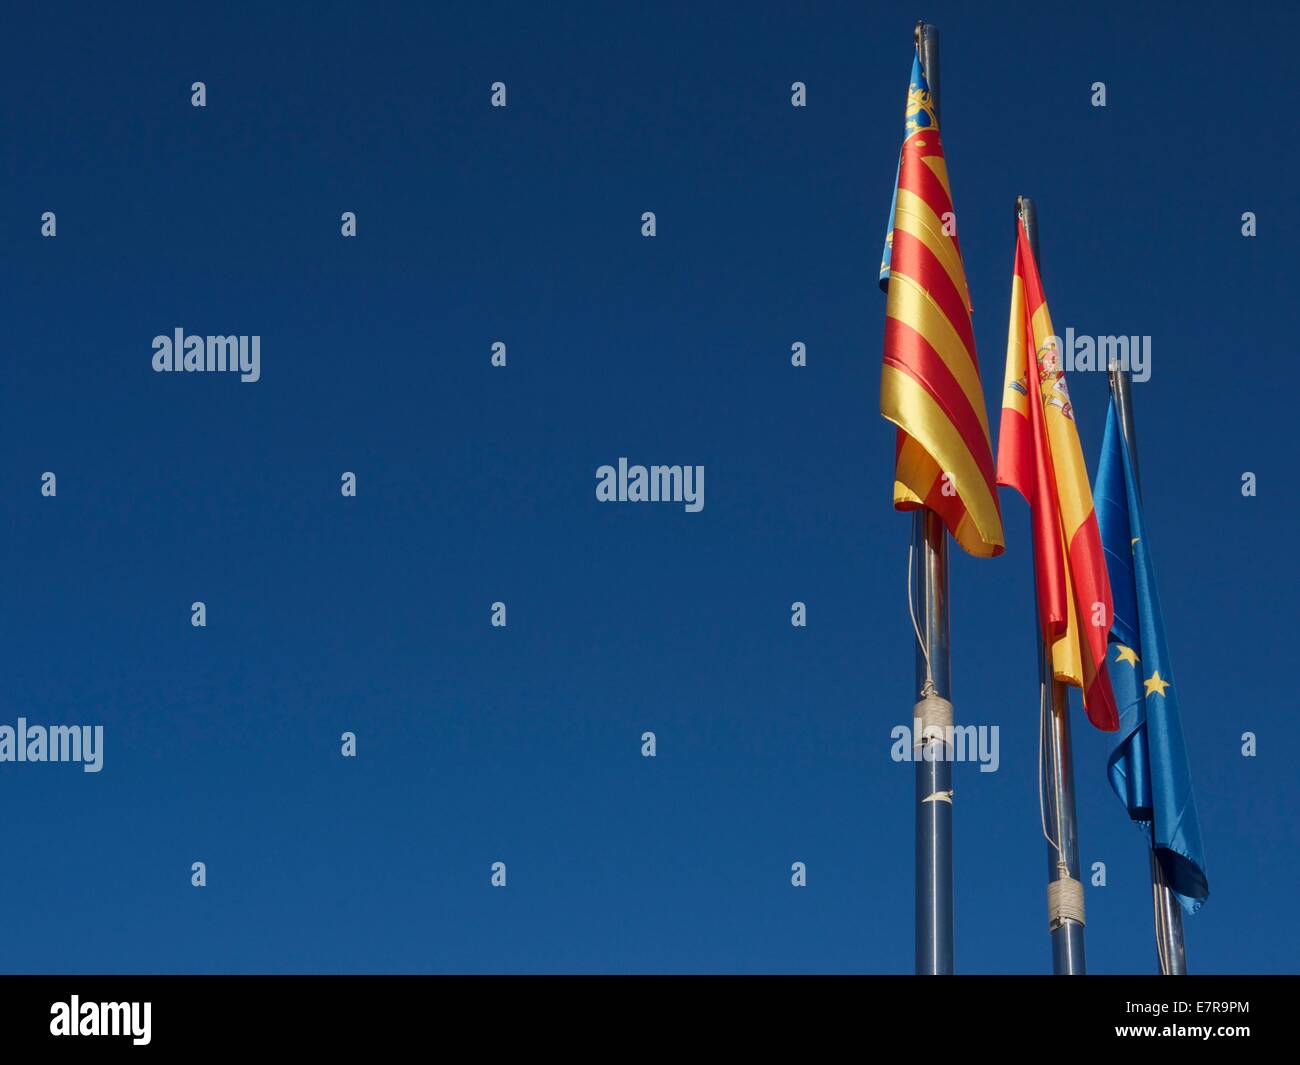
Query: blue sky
column 475, row 484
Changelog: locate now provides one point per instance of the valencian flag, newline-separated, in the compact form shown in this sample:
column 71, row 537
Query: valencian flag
column 1148, row 763
column 930, row 384
column 1040, row 457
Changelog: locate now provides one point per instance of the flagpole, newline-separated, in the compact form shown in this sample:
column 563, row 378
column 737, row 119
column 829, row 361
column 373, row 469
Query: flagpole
column 1060, row 825
column 934, row 884
column 1170, row 948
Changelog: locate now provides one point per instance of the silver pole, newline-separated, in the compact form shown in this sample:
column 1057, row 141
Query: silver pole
column 1060, row 822
column 927, row 46
column 1171, row 951
column 934, row 882
column 1062, row 825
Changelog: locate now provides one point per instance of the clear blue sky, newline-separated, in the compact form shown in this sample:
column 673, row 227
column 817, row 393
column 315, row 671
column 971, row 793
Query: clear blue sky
column 476, row 484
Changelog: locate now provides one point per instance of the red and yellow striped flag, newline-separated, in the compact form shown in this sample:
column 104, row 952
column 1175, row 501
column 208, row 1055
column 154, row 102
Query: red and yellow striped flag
column 930, row 383
column 1040, row 457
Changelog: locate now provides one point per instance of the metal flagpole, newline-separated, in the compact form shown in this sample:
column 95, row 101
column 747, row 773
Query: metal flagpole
column 1170, row 950
column 1064, row 887
column 934, row 887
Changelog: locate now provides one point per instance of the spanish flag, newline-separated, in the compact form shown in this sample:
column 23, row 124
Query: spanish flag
column 930, row 383
column 1040, row 457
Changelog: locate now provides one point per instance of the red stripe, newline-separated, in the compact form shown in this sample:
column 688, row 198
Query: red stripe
column 1092, row 585
column 1014, row 449
column 950, row 508
column 925, row 151
column 1035, row 465
column 916, row 176
column 1027, row 268
column 1099, row 703
column 915, row 260
column 908, row 351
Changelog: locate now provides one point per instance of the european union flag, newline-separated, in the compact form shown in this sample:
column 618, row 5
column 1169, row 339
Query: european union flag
column 1148, row 763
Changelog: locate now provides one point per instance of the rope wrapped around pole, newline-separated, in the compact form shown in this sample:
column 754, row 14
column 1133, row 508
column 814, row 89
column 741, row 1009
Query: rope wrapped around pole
column 1064, row 900
column 934, row 713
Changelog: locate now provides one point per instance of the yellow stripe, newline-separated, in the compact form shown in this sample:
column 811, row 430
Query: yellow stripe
column 1067, row 662
column 915, row 473
column 915, row 216
column 903, row 494
column 1072, row 487
column 939, row 167
column 909, row 406
column 1011, row 397
column 966, row 529
column 913, row 306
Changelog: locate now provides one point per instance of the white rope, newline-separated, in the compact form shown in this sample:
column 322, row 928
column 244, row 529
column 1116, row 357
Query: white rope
column 934, row 714
column 1064, row 894
column 921, row 642
column 933, row 710
column 1162, row 925
column 1064, row 899
column 1042, row 740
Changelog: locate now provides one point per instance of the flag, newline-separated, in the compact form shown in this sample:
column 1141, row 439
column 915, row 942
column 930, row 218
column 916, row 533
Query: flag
column 1040, row 457
column 930, row 382
column 1148, row 762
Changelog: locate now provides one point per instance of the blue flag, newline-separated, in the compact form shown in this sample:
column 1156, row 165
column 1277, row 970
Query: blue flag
column 1148, row 762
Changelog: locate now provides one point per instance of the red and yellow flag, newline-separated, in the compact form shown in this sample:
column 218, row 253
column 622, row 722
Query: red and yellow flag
column 930, row 383
column 1040, row 457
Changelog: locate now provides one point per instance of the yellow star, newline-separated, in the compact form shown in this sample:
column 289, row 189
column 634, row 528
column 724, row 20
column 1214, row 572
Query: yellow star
column 1156, row 684
column 1126, row 654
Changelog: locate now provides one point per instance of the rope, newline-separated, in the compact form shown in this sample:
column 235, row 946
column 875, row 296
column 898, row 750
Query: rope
column 921, row 642
column 1064, row 899
column 1042, row 804
column 1162, row 925
column 1064, row 894
column 934, row 713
